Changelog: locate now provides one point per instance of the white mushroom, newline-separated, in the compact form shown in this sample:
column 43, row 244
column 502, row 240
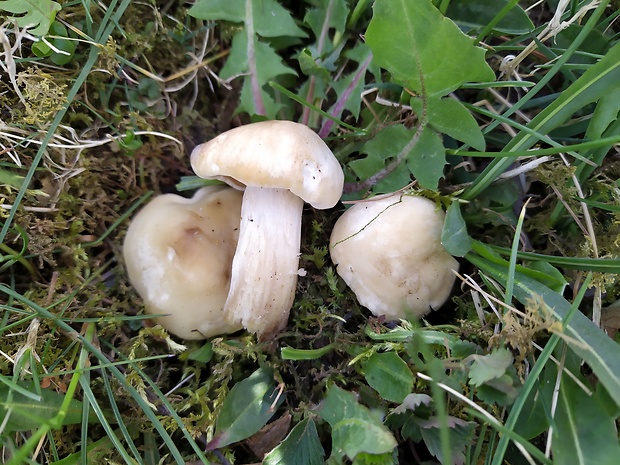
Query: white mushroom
column 280, row 164
column 178, row 254
column 389, row 253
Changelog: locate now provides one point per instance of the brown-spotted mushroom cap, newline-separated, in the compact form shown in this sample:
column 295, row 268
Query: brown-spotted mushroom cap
column 279, row 164
column 389, row 253
column 178, row 254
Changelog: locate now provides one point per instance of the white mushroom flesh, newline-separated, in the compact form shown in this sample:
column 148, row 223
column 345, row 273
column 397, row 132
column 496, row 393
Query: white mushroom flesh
column 178, row 254
column 389, row 253
column 266, row 263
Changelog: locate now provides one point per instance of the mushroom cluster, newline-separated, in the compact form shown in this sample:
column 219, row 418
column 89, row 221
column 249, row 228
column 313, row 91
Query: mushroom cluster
column 278, row 165
column 404, row 271
column 228, row 258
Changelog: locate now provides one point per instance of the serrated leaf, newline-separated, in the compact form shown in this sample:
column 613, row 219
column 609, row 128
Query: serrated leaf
column 27, row 414
column 349, row 88
column 486, row 367
column 259, row 64
column 584, row 433
column 246, row 409
column 269, row 18
column 422, row 49
column 355, row 428
column 329, row 14
column 454, row 237
column 427, row 159
column 302, row 445
column 36, row 15
column 476, row 14
column 389, row 375
column 450, row 117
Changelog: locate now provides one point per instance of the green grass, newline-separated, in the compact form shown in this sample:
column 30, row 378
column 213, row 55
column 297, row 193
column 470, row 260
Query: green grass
column 519, row 366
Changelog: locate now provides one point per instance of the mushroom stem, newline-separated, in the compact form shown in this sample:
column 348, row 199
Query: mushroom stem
column 266, row 263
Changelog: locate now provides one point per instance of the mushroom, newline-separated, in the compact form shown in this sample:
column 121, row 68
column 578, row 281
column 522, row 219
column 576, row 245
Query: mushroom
column 389, row 253
column 178, row 254
column 279, row 165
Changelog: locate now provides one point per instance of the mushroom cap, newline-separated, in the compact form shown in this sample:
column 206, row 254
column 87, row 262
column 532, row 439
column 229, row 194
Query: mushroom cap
column 178, row 254
column 273, row 154
column 389, row 253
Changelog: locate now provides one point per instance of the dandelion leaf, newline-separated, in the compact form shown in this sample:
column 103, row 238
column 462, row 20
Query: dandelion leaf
column 35, row 15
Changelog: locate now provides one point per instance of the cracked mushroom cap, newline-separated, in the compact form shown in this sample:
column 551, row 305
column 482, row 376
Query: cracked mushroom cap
column 389, row 253
column 178, row 254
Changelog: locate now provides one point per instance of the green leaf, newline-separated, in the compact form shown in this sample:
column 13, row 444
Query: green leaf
column 475, row 14
column 450, row 117
column 27, row 414
column 422, row 49
column 263, row 64
column 461, row 433
column 355, row 429
column 41, row 49
column 534, row 417
column 584, row 433
column 269, row 18
column 427, row 159
column 329, row 15
column 454, row 235
column 486, row 367
column 246, row 409
column 366, row 167
column 302, row 445
column 309, row 66
column 36, row 15
column 389, row 458
column 553, row 278
column 389, row 375
column 349, row 87
column 388, row 142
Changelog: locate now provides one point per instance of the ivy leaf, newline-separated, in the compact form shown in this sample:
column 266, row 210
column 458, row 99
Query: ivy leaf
column 246, row 409
column 422, row 49
column 36, row 15
column 27, row 414
column 487, row 367
column 355, row 429
column 302, row 445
